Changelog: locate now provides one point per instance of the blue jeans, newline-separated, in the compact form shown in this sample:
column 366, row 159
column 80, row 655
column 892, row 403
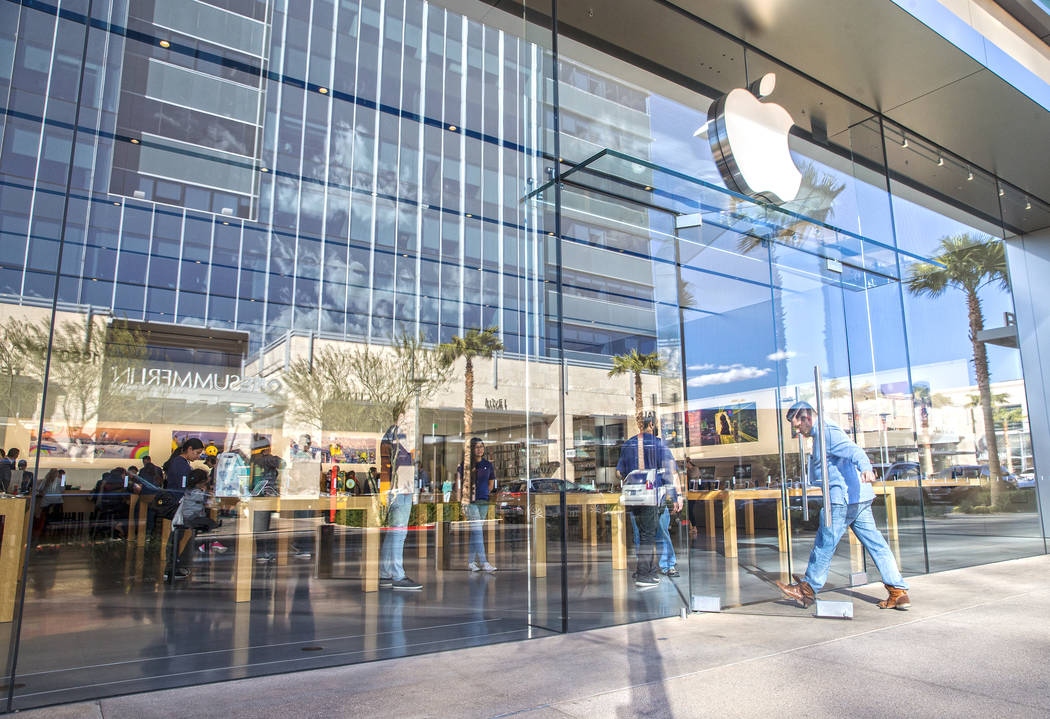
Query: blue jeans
column 857, row 517
column 647, row 523
column 390, row 556
column 476, row 512
column 664, row 545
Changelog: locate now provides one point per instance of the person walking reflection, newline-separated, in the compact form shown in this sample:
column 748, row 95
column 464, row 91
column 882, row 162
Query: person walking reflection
column 399, row 507
column 849, row 478
column 647, row 519
column 482, row 480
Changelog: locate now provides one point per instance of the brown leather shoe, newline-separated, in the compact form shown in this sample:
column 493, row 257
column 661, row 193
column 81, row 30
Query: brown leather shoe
column 807, row 590
column 801, row 593
column 898, row 599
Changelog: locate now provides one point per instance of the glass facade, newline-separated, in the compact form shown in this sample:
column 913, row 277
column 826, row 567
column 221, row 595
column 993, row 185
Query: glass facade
column 330, row 326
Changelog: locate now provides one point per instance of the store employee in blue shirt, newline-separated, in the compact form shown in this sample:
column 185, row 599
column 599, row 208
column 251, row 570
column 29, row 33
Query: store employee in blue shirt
column 476, row 491
column 849, row 483
column 656, row 455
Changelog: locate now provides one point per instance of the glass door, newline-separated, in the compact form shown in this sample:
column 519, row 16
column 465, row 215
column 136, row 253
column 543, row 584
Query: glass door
column 760, row 317
column 731, row 458
column 839, row 335
column 812, row 357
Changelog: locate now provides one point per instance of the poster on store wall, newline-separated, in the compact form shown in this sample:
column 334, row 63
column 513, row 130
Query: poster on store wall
column 99, row 443
column 215, row 443
column 340, row 449
column 728, row 424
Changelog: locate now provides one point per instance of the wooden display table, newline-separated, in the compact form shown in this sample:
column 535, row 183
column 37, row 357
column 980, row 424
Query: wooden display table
column 587, row 500
column 247, row 507
column 13, row 510
column 729, row 498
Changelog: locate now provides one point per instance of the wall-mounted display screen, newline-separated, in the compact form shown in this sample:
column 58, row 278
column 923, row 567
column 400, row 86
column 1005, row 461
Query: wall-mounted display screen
column 727, row 424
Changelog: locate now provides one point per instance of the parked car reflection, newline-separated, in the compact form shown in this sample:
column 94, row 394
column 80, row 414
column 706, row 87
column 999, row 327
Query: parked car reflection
column 511, row 497
column 896, row 471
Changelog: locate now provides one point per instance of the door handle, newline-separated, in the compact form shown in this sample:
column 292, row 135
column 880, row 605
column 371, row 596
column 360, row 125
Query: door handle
column 826, row 491
column 785, row 499
column 804, row 474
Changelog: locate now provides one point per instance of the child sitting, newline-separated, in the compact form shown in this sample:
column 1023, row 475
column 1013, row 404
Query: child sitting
column 191, row 516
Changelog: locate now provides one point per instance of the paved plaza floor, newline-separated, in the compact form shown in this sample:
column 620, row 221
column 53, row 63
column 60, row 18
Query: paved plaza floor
column 976, row 642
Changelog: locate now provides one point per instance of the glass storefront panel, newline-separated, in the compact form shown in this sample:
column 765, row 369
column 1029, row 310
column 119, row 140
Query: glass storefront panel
column 299, row 350
column 333, row 341
column 969, row 396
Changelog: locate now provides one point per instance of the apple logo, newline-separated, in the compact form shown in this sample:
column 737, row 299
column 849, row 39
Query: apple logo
column 749, row 140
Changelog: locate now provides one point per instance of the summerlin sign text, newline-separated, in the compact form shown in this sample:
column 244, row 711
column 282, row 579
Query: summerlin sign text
column 173, row 379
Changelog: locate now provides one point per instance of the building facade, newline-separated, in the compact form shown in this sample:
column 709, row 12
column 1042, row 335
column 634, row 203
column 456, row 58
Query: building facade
column 316, row 238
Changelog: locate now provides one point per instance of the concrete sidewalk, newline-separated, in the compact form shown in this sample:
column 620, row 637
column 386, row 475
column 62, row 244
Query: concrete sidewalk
column 976, row 643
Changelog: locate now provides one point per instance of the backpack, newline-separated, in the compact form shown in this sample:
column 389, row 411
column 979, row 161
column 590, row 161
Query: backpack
column 164, row 504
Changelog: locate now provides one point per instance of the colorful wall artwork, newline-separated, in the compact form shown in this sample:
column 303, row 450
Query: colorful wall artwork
column 100, row 443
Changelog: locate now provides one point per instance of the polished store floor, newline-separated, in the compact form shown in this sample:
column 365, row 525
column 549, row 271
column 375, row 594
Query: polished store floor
column 99, row 620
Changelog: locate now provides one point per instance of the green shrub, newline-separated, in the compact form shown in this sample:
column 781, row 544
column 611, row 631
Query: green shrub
column 1016, row 500
column 936, row 510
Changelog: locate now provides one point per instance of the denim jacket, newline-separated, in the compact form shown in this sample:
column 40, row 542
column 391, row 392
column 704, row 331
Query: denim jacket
column 846, row 461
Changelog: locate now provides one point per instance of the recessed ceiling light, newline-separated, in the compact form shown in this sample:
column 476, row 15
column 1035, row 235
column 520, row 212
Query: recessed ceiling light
column 116, row 203
column 452, row 127
column 647, row 188
column 264, row 169
column 323, row 90
column 165, row 43
column 469, row 215
column 551, row 234
column 134, row 141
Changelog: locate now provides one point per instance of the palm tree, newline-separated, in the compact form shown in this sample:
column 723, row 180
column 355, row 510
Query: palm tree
column 474, row 343
column 686, row 298
column 635, row 362
column 816, row 199
column 923, row 399
column 1007, row 415
column 968, row 263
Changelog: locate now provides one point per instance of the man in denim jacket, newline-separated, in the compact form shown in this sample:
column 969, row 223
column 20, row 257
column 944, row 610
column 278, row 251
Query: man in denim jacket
column 849, row 482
